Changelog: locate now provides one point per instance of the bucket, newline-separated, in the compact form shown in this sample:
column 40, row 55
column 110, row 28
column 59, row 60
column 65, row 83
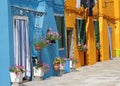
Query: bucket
column 117, row 52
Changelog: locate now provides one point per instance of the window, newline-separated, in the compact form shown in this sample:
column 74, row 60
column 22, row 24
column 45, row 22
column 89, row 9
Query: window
column 96, row 25
column 81, row 31
column 61, row 30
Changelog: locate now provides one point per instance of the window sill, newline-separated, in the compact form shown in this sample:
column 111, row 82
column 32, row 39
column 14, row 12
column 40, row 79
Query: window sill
column 60, row 49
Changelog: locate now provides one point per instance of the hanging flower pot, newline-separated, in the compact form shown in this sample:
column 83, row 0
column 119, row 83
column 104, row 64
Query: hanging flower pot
column 56, row 67
column 37, row 48
column 40, row 43
column 52, row 36
column 17, row 78
column 52, row 41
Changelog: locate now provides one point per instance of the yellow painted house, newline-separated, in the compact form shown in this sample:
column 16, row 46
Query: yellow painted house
column 81, row 28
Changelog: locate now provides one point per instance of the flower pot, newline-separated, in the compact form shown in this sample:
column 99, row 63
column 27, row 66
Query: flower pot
column 97, row 55
column 38, row 72
column 81, row 56
column 61, row 66
column 52, row 41
column 56, row 67
column 16, row 78
column 70, row 63
column 38, row 48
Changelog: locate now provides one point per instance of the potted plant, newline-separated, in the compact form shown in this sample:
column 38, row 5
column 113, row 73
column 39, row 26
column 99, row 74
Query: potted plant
column 16, row 73
column 98, row 47
column 56, row 63
column 82, row 54
column 40, row 44
column 82, row 47
column 62, row 63
column 52, row 36
column 73, row 63
column 40, row 68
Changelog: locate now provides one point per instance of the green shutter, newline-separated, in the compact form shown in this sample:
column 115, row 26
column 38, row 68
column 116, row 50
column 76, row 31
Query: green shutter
column 82, row 31
column 77, row 31
column 96, row 25
column 60, row 27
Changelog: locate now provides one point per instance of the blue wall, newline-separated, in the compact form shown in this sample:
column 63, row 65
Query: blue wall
column 58, row 7
column 4, row 44
column 47, row 54
column 48, row 21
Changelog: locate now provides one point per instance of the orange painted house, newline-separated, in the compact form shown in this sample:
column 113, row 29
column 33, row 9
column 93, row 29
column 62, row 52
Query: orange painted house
column 107, row 18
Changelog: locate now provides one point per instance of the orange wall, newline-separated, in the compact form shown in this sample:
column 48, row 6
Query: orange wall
column 71, row 13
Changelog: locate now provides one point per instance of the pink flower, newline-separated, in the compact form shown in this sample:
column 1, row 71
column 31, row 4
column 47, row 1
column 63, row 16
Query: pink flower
column 21, row 67
column 10, row 67
column 57, row 33
column 47, row 41
column 62, row 64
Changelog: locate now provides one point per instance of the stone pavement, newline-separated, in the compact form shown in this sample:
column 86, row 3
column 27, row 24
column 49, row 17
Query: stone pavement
column 101, row 74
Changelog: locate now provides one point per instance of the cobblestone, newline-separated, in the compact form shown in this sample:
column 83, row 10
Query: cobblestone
column 101, row 74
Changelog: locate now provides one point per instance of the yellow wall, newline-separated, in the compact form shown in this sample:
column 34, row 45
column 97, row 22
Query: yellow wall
column 70, row 18
column 117, row 24
column 90, row 38
column 71, row 13
column 109, row 14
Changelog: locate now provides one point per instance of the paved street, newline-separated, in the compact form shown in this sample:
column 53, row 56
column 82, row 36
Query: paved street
column 101, row 74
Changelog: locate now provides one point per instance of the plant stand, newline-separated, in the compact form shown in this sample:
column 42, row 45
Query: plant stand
column 16, row 78
column 37, row 73
column 17, row 84
column 62, row 72
column 37, row 78
column 38, row 55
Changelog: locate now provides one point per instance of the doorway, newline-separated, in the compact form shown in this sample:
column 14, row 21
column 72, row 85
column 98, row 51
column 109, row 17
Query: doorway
column 70, row 43
column 110, row 40
column 21, row 44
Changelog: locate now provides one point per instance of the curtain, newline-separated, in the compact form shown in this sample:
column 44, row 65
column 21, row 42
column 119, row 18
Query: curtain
column 21, row 45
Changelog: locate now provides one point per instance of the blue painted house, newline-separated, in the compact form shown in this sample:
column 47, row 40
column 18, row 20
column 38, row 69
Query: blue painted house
column 21, row 22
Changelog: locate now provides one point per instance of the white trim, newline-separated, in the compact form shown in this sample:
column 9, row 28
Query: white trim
column 21, row 17
column 79, row 18
column 95, row 20
column 60, row 49
column 56, row 14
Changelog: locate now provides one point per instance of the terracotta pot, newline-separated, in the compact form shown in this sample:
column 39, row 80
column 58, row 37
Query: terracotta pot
column 56, row 67
column 37, row 48
column 81, row 56
column 97, row 55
